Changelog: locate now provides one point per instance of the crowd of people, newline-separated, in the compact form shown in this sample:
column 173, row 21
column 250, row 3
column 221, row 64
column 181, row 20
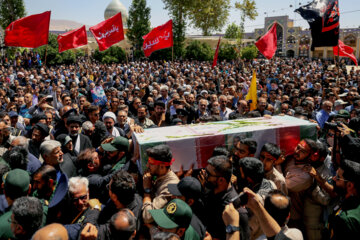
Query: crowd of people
column 69, row 168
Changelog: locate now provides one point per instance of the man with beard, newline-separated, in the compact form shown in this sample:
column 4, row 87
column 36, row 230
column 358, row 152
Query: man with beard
column 297, row 180
column 252, row 176
column 109, row 120
column 156, row 194
column 44, row 182
column 344, row 222
column 5, row 137
column 219, row 192
column 160, row 117
column 116, row 153
column 39, row 132
column 80, row 141
column 141, row 119
column 52, row 155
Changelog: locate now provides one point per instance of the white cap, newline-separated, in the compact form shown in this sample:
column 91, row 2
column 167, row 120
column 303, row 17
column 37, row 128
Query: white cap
column 109, row 115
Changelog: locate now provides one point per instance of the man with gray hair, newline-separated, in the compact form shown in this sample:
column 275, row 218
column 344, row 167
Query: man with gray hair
column 33, row 162
column 80, row 209
column 51, row 154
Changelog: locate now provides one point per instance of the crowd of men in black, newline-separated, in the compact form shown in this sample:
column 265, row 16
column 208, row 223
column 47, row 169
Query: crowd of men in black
column 70, row 168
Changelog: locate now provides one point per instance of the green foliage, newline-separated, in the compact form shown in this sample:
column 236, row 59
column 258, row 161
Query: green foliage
column 233, row 31
column 162, row 54
column 178, row 12
column 11, row 10
column 249, row 52
column 209, row 15
column 199, row 51
column 138, row 25
column 113, row 54
column 227, row 52
column 247, row 10
column 53, row 57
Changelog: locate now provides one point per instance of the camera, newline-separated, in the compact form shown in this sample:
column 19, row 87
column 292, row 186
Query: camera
column 332, row 126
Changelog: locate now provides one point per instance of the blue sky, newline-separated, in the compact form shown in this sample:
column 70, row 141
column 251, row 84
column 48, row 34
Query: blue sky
column 91, row 12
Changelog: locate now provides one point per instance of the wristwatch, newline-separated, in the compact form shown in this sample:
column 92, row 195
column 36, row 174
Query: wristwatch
column 231, row 229
column 147, row 190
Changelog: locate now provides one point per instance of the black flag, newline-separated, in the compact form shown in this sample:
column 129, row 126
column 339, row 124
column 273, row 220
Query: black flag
column 323, row 17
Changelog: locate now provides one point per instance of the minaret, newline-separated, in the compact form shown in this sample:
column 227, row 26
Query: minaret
column 115, row 7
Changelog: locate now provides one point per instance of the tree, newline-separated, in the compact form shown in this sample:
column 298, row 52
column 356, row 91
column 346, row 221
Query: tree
column 138, row 25
column 209, row 15
column 114, row 54
column 249, row 52
column 199, row 51
column 227, row 51
column 233, row 31
column 247, row 10
column 53, row 57
column 178, row 11
column 11, row 10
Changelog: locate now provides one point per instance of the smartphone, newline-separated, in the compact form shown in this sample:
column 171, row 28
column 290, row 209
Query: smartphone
column 240, row 200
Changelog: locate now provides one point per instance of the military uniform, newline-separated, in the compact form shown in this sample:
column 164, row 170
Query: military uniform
column 344, row 223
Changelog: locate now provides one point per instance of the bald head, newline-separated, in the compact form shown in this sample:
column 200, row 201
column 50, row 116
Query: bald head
column 278, row 206
column 53, row 231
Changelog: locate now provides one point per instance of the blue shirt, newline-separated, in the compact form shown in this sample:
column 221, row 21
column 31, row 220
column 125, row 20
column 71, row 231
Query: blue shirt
column 321, row 117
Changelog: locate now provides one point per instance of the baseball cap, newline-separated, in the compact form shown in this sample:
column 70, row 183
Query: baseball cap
column 117, row 144
column 189, row 187
column 343, row 114
column 17, row 181
column 175, row 214
column 63, row 139
column 339, row 102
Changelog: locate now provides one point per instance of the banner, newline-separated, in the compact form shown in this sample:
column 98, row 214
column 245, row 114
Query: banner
column 29, row 32
column 98, row 96
column 216, row 54
column 323, row 17
column 108, row 32
column 343, row 50
column 267, row 44
column 159, row 38
column 73, row 39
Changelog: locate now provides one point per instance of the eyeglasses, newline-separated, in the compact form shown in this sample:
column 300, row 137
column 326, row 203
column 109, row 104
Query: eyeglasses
column 83, row 197
column 209, row 174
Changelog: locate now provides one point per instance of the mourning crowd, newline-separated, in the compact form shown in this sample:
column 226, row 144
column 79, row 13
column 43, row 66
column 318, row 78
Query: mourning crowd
column 70, row 167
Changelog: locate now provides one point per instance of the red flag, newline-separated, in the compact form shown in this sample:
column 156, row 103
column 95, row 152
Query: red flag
column 108, row 32
column 159, row 38
column 345, row 51
column 216, row 54
column 30, row 32
column 73, row 39
column 267, row 44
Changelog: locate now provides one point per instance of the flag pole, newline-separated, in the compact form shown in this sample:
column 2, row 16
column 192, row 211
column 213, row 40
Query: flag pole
column 46, row 53
column 338, row 68
column 172, row 53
